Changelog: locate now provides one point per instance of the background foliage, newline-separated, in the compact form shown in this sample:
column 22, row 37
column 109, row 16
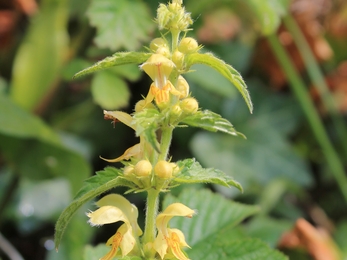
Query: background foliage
column 292, row 164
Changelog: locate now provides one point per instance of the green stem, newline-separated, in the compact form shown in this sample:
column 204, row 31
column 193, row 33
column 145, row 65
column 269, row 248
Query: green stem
column 151, row 214
column 166, row 136
column 317, row 79
column 175, row 34
column 313, row 118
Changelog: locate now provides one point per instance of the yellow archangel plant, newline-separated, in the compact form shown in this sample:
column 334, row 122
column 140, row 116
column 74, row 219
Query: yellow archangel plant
column 147, row 165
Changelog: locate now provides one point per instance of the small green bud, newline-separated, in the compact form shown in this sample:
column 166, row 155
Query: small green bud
column 188, row 45
column 163, row 169
column 140, row 105
column 143, row 168
column 189, row 105
column 175, row 111
column 175, row 169
column 128, row 170
column 178, row 58
column 156, row 43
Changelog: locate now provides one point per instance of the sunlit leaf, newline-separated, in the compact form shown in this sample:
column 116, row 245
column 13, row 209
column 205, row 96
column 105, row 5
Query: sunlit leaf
column 224, row 69
column 120, row 24
column 41, row 55
column 210, row 121
column 192, row 172
column 119, row 58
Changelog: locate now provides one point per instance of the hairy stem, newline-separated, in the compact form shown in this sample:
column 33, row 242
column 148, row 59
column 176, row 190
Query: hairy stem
column 151, row 214
column 312, row 116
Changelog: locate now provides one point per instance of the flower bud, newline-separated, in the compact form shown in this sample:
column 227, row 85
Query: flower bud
column 178, row 58
column 188, row 45
column 189, row 105
column 163, row 169
column 140, row 105
column 183, row 87
column 143, row 168
column 156, row 43
column 163, row 50
column 128, row 170
column 175, row 169
column 175, row 111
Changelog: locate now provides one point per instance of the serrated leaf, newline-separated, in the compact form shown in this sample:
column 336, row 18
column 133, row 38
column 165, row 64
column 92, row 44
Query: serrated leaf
column 192, row 172
column 119, row 58
column 109, row 91
column 220, row 248
column 215, row 213
column 104, row 180
column 210, row 121
column 224, row 69
column 120, row 24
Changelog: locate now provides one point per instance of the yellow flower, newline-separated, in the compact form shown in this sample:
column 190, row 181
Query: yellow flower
column 159, row 68
column 126, row 119
column 170, row 241
column 114, row 208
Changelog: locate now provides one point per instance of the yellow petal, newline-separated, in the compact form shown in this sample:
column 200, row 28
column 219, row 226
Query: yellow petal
column 180, row 235
column 106, row 215
column 158, row 67
column 121, row 116
column 130, row 152
column 160, row 245
column 125, row 206
column 175, row 209
column 174, row 244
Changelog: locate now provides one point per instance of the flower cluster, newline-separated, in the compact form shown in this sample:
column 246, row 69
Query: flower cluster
column 146, row 164
column 168, row 242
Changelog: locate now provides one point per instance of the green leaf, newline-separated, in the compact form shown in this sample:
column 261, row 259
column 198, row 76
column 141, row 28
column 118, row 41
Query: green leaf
column 109, row 91
column 40, row 57
column 268, row 13
column 220, row 248
column 104, row 180
column 192, row 172
column 210, row 121
column 17, row 122
column 225, row 69
column 212, row 233
column 119, row 58
column 120, row 23
column 215, row 213
column 93, row 253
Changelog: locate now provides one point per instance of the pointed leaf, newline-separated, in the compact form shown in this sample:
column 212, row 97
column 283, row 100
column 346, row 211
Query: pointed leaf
column 119, row 58
column 225, row 69
column 192, row 172
column 210, row 121
column 104, row 180
column 120, row 24
column 215, row 213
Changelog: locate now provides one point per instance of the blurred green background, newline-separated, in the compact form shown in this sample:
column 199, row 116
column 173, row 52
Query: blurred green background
column 292, row 55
